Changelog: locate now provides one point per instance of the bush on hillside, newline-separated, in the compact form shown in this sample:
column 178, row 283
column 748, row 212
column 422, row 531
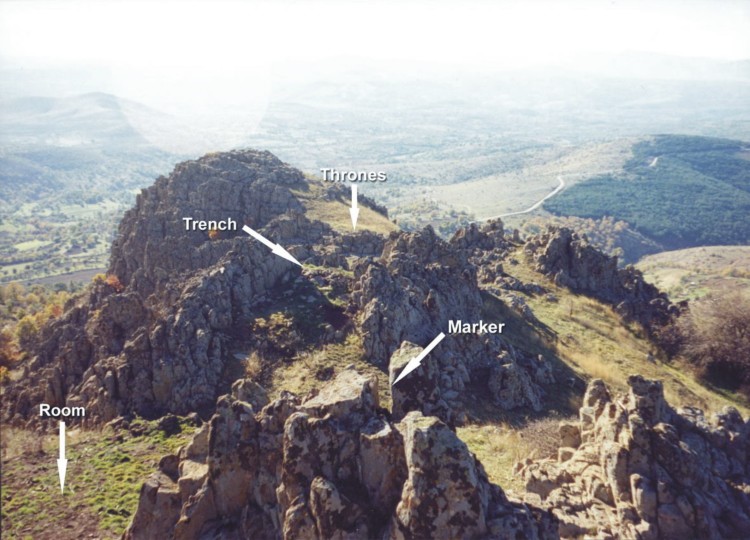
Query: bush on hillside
column 715, row 337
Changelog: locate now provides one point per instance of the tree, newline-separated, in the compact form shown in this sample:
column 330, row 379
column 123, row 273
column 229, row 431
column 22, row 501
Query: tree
column 26, row 331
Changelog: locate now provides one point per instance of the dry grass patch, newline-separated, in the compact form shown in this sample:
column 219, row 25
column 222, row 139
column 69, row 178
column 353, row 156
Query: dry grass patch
column 593, row 367
column 499, row 447
column 694, row 272
column 308, row 371
column 336, row 212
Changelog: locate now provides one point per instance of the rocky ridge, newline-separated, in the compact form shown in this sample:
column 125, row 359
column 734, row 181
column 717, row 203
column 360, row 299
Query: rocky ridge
column 159, row 339
column 410, row 293
column 330, row 466
column 155, row 337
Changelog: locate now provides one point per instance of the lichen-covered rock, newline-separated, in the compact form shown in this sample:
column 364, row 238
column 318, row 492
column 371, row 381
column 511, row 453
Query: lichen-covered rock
column 332, row 466
column 158, row 509
column 444, row 496
column 411, row 293
column 634, row 468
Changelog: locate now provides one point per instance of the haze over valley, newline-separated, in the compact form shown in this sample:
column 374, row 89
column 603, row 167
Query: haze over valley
column 455, row 149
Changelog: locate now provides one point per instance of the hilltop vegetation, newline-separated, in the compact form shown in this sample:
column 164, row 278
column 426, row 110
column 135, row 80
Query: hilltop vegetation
column 680, row 191
column 715, row 337
column 22, row 313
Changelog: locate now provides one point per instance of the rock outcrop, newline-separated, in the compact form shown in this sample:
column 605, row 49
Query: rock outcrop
column 634, row 468
column 331, row 466
column 152, row 244
column 420, row 390
column 411, row 292
column 154, row 337
column 572, row 262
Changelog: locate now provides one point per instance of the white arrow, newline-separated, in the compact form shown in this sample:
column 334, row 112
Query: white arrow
column 62, row 463
column 414, row 363
column 354, row 211
column 276, row 249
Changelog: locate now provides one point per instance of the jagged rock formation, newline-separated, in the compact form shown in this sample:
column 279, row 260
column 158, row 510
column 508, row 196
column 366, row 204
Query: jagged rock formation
column 634, row 468
column 152, row 243
column 485, row 247
column 329, row 467
column 574, row 263
column 155, row 337
column 411, row 292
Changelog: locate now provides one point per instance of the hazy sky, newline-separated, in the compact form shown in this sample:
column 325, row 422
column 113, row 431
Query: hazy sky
column 172, row 54
column 225, row 34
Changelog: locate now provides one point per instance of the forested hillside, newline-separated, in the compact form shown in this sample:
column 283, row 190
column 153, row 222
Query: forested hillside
column 680, row 191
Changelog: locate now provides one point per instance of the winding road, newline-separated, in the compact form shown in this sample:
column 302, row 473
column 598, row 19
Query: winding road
column 536, row 205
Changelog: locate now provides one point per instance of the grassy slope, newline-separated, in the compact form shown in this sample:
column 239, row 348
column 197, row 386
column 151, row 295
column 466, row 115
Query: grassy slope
column 694, row 272
column 105, row 473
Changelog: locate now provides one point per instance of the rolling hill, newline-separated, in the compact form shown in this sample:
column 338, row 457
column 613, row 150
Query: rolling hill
column 68, row 168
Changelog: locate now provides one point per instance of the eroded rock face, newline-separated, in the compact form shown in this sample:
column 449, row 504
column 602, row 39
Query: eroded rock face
column 331, row 466
column 411, row 292
column 635, row 468
column 572, row 262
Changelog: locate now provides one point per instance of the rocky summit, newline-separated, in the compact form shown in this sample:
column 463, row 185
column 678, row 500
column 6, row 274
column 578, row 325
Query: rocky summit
column 289, row 372
column 153, row 336
column 157, row 335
